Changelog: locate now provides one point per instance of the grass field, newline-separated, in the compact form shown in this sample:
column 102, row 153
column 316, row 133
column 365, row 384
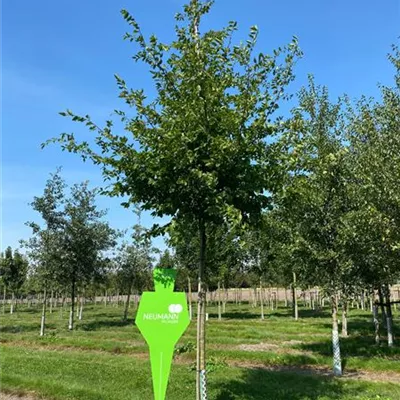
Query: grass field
column 249, row 359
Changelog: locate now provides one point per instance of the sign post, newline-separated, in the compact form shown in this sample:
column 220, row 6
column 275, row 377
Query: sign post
column 162, row 318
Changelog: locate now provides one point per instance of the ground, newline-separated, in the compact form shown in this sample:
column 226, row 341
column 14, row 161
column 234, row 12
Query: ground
column 248, row 359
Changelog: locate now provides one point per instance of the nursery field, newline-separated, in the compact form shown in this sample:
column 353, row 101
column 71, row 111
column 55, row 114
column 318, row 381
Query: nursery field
column 248, row 359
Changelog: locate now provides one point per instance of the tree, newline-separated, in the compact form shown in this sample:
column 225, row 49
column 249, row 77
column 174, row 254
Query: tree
column 14, row 268
column 317, row 195
column 45, row 246
column 373, row 228
column 134, row 264
column 86, row 237
column 198, row 151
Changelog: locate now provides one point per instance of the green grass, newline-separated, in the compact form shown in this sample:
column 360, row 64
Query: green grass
column 105, row 358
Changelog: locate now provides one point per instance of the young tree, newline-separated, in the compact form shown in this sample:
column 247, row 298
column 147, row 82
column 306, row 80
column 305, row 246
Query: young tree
column 86, row 237
column 134, row 264
column 373, row 228
column 45, row 246
column 198, row 151
column 317, row 194
column 14, row 268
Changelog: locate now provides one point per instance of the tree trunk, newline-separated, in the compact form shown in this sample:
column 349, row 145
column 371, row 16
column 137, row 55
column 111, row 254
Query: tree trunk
column 376, row 324
column 81, row 307
column 71, row 314
column 4, row 299
column 12, row 303
column 62, row 306
column 294, row 299
column 224, row 299
column 382, row 302
column 389, row 316
column 337, row 362
column 127, row 303
column 190, row 298
column 201, row 383
column 286, row 299
column 43, row 321
column 51, row 302
column 261, row 300
column 105, row 298
column 344, row 318
column 219, row 301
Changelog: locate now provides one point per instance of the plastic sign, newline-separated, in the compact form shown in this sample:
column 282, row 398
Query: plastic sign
column 162, row 318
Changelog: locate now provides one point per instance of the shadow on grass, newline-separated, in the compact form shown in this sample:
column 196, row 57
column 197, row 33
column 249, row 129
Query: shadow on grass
column 259, row 384
column 282, row 313
column 98, row 325
column 354, row 346
column 24, row 328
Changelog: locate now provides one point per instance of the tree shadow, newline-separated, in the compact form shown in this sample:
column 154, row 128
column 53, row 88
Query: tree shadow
column 260, row 384
column 24, row 328
column 235, row 315
column 98, row 325
column 353, row 346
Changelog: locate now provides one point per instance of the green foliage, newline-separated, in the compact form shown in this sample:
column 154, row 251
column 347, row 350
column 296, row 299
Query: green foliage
column 198, row 150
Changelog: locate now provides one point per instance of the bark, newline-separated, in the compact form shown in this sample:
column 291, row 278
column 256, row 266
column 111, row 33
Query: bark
column 71, row 314
column 190, row 298
column 201, row 385
column 286, row 299
column 382, row 302
column 51, row 302
column 363, row 300
column 337, row 362
column 127, row 302
column 344, row 318
column 4, row 299
column 105, row 299
column 261, row 300
column 294, row 299
column 224, row 299
column 376, row 324
column 389, row 317
column 12, row 303
column 43, row 320
column 81, row 307
column 219, row 301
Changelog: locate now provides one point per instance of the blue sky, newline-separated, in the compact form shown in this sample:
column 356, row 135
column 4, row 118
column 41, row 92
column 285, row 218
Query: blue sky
column 63, row 54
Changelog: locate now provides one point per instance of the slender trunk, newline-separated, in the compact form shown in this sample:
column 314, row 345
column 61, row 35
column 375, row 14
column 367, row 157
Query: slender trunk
column 71, row 314
column 337, row 362
column 286, row 299
column 224, row 296
column 219, row 301
column 382, row 304
column 81, row 307
column 43, row 321
column 389, row 316
column 344, row 318
column 261, row 300
column 12, row 303
column 51, row 302
column 376, row 324
column 190, row 298
column 105, row 299
column 4, row 299
column 294, row 299
column 127, row 303
column 62, row 306
column 201, row 383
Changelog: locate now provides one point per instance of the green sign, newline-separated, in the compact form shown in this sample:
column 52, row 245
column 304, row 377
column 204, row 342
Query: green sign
column 162, row 318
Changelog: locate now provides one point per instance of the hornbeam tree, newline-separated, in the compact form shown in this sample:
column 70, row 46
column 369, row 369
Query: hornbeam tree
column 317, row 194
column 44, row 247
column 197, row 151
